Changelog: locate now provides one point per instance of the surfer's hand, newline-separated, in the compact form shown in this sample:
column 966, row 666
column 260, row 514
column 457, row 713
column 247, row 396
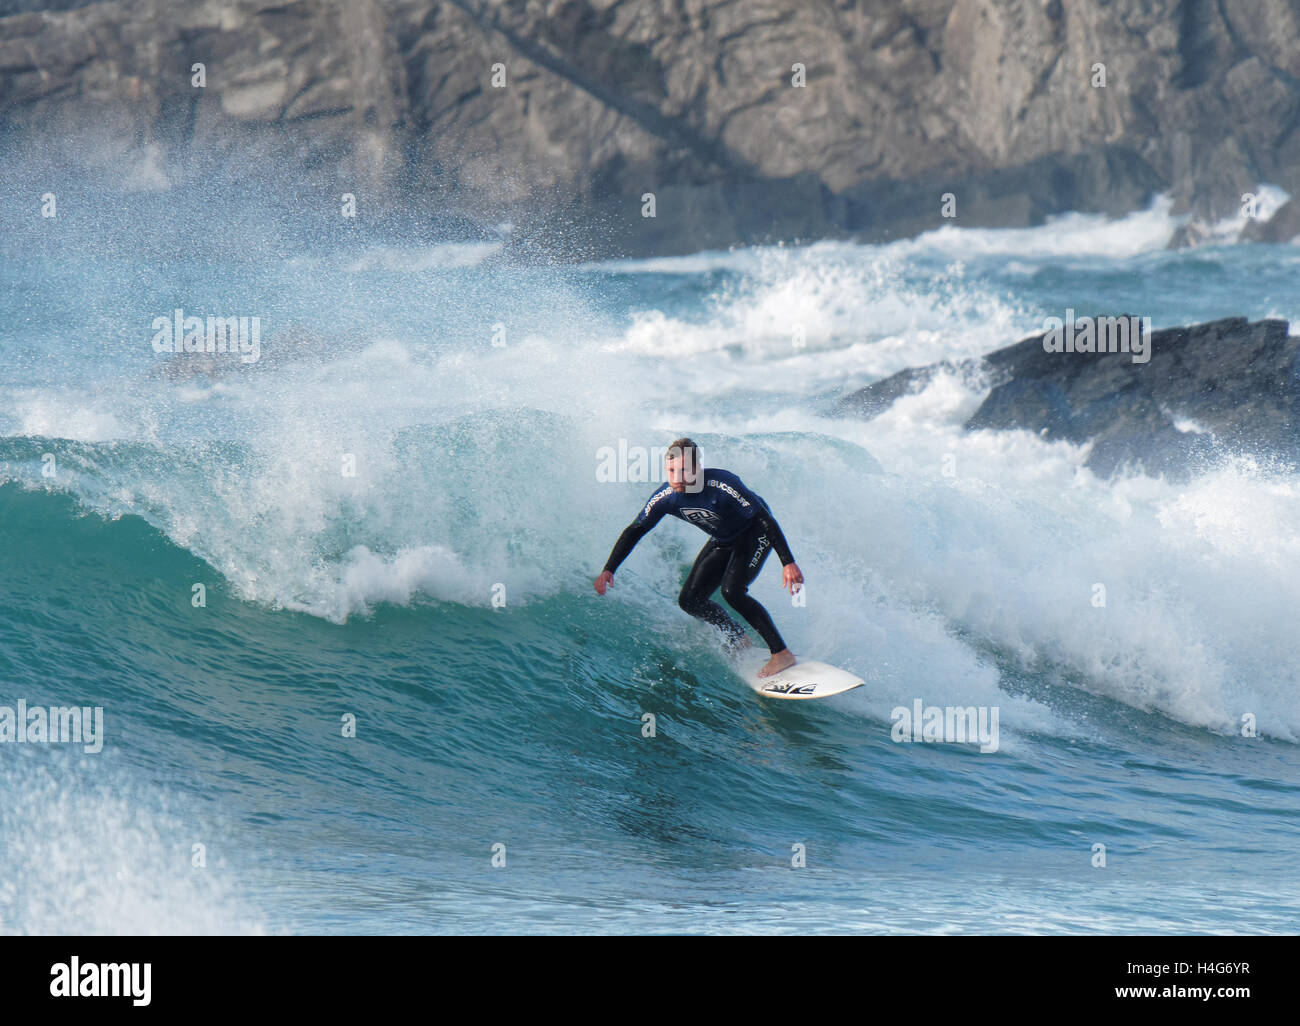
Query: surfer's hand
column 603, row 581
column 791, row 578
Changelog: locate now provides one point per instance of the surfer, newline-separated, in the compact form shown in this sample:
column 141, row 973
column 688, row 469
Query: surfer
column 742, row 532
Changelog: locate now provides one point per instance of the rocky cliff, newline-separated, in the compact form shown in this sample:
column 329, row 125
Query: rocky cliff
column 747, row 120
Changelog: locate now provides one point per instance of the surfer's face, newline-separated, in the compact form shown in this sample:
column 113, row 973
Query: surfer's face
column 679, row 472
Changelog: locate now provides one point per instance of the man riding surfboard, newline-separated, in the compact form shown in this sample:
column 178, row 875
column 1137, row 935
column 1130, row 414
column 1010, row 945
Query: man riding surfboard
column 742, row 531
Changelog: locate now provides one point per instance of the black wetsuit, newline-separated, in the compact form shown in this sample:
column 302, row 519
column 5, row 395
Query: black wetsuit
column 742, row 532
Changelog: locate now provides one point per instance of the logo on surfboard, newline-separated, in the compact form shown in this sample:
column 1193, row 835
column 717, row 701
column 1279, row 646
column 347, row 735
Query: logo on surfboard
column 790, row 689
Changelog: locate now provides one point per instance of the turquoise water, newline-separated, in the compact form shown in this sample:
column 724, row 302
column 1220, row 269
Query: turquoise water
column 441, row 595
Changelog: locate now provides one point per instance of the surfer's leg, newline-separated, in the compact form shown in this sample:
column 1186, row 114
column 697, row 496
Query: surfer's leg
column 702, row 582
column 747, row 558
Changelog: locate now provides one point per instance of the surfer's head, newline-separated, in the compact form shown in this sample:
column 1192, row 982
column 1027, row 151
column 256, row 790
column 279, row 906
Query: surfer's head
column 682, row 465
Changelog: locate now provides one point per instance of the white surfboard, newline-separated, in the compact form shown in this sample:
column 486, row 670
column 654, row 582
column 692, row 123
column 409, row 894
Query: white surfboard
column 802, row 680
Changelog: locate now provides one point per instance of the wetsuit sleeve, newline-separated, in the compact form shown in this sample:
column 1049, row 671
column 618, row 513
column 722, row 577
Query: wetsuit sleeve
column 764, row 517
column 632, row 534
column 773, row 530
column 635, row 531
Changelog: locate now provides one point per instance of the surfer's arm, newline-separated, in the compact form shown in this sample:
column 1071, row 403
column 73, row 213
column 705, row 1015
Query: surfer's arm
column 764, row 516
column 638, row 528
column 774, row 534
column 791, row 575
column 632, row 534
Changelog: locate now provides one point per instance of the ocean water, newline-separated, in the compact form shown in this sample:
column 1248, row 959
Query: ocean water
column 396, row 516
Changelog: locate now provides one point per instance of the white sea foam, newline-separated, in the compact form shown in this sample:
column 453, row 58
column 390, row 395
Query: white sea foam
column 109, row 857
column 1062, row 235
column 1066, row 235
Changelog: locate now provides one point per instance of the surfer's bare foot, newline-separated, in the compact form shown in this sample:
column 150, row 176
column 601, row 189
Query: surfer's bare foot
column 782, row 660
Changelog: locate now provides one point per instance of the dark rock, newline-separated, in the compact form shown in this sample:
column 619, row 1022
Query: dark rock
column 688, row 219
column 1225, row 386
column 1283, row 226
column 1113, row 181
column 880, row 395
